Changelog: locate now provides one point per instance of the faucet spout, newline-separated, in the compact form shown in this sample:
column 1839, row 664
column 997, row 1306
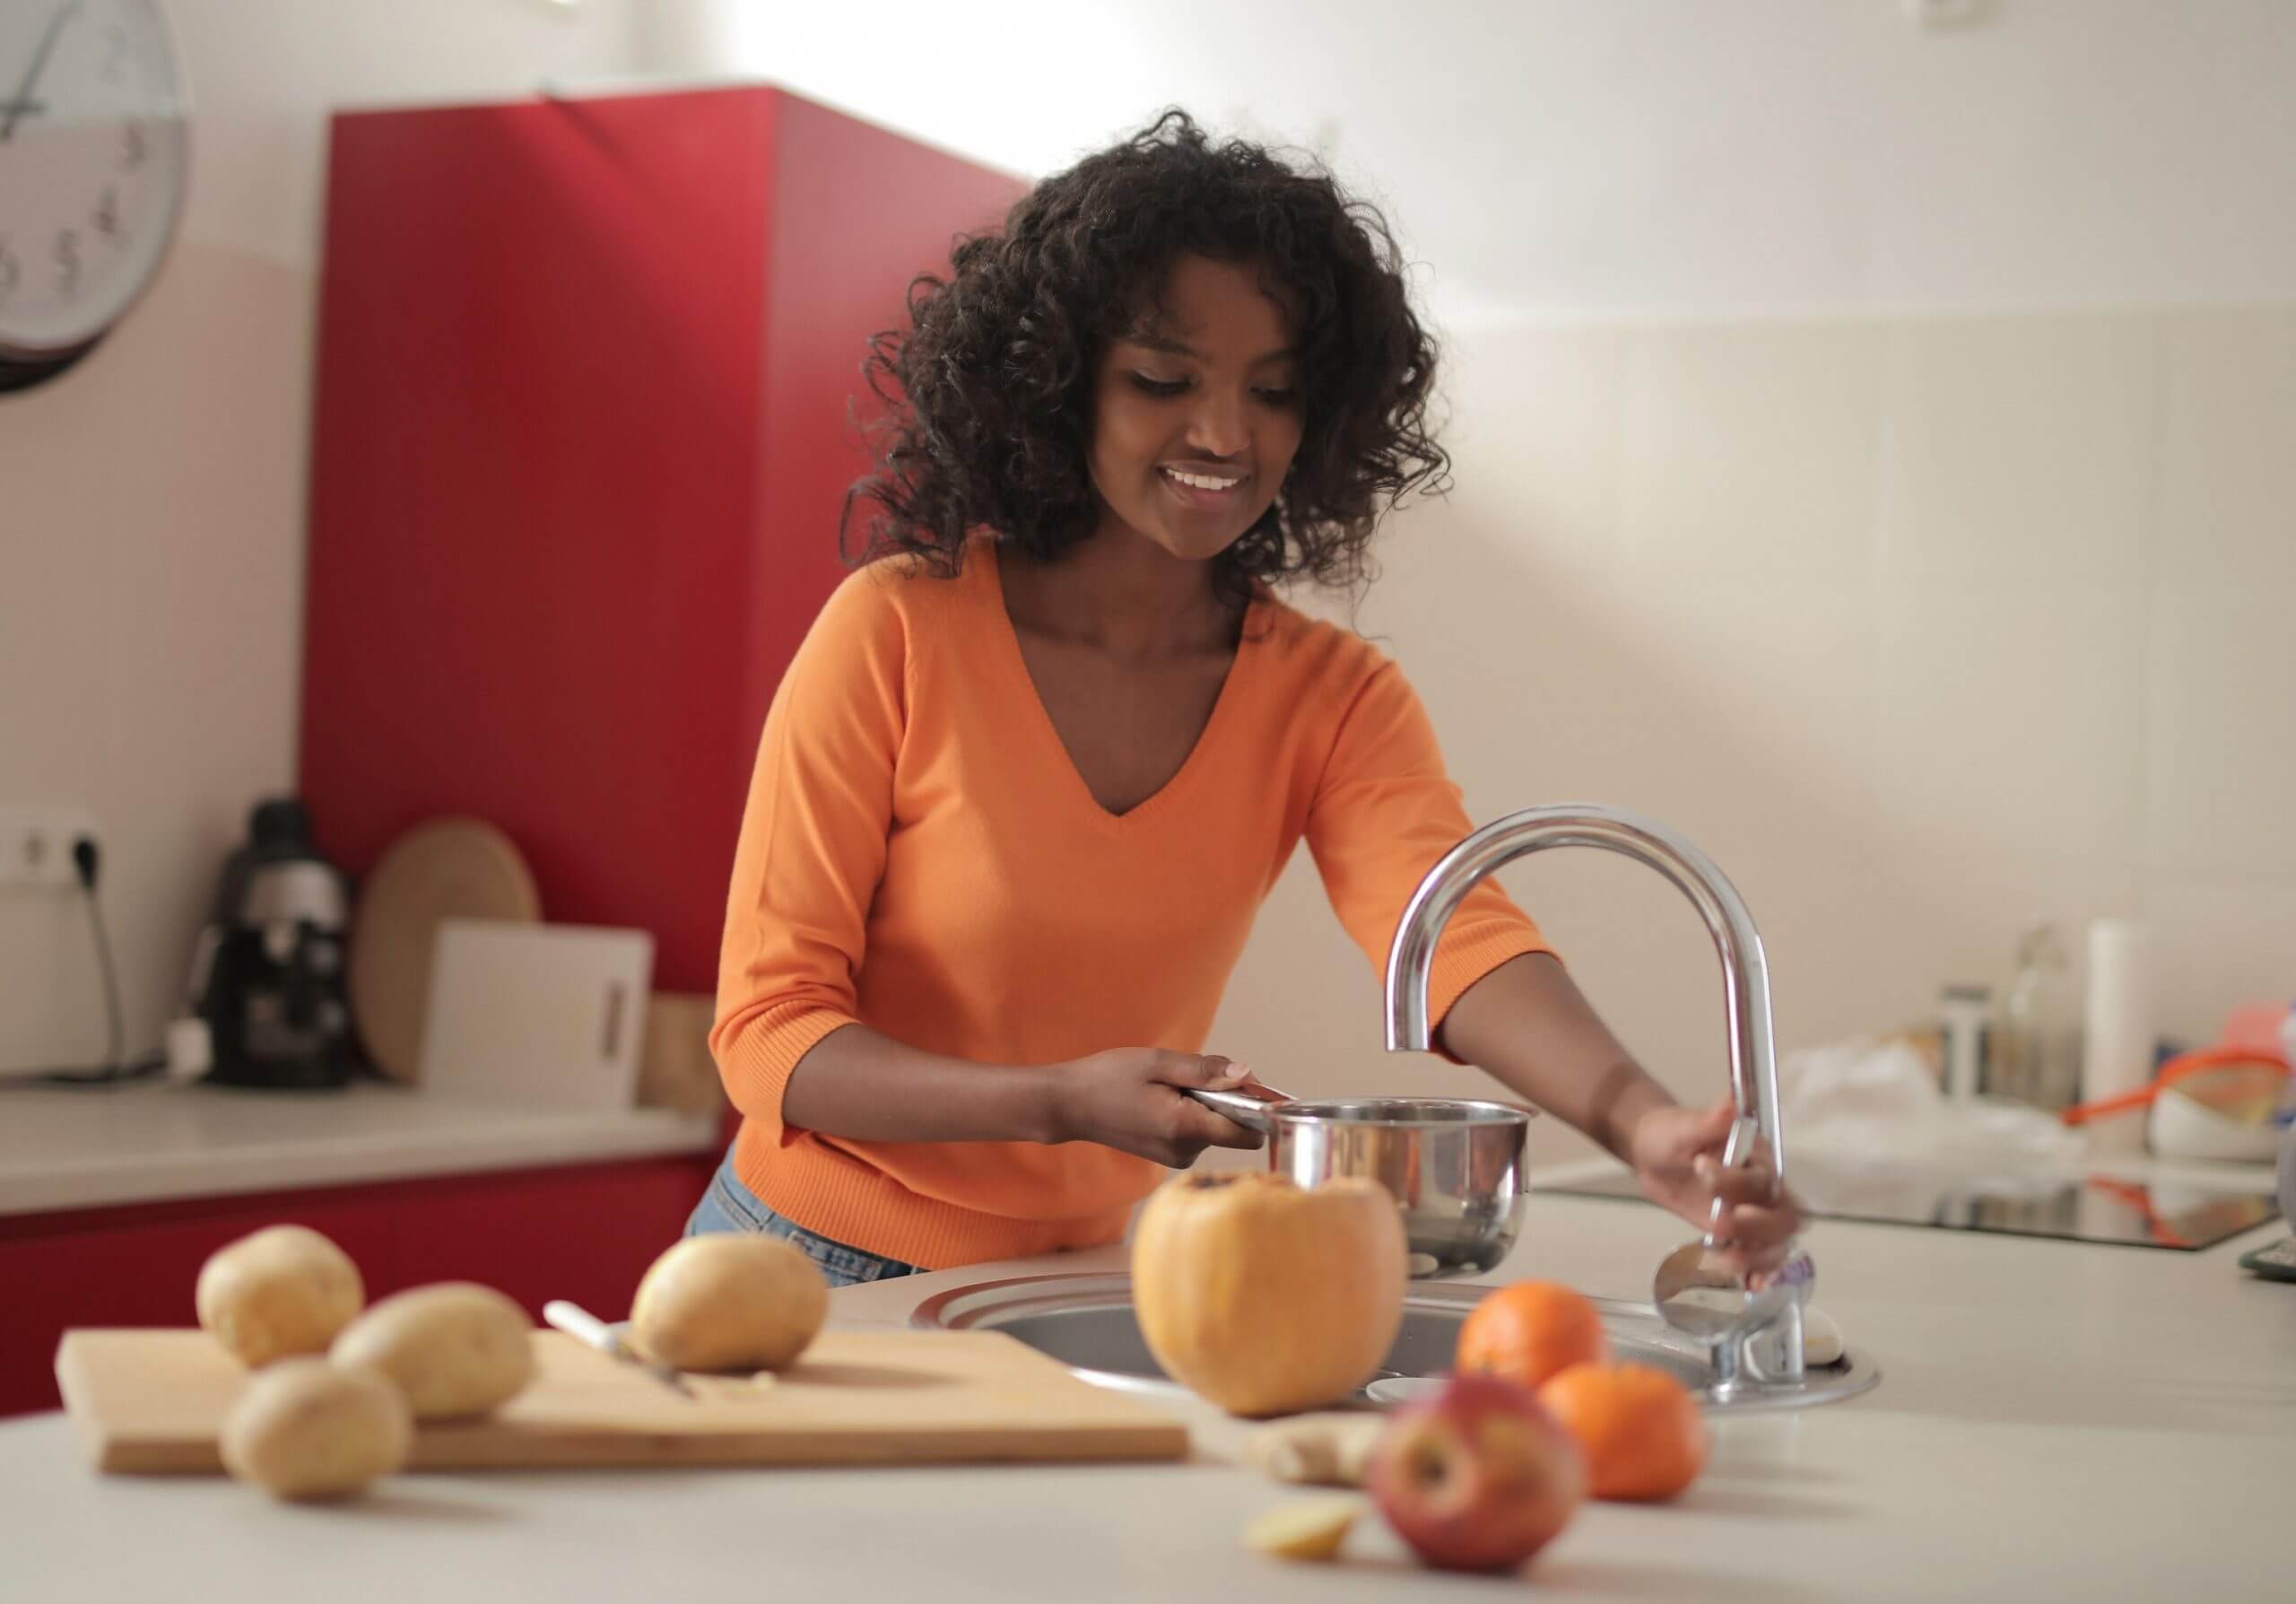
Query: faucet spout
column 1746, row 971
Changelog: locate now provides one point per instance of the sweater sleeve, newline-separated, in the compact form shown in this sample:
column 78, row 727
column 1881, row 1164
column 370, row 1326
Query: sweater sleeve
column 1384, row 814
column 812, row 847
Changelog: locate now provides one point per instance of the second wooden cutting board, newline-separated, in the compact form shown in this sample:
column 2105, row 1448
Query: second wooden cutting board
column 153, row 1402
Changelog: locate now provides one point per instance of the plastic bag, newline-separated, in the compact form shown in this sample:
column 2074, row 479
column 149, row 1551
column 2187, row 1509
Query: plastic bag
column 1877, row 1099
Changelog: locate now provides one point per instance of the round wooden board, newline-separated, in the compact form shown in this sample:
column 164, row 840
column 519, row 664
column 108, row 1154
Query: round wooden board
column 448, row 868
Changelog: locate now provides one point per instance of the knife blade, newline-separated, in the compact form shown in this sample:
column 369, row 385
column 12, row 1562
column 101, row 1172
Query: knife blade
column 583, row 1326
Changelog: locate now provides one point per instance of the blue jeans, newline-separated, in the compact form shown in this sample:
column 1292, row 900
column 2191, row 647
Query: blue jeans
column 729, row 1206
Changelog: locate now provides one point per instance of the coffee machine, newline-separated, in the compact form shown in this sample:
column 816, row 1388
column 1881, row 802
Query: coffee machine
column 268, row 980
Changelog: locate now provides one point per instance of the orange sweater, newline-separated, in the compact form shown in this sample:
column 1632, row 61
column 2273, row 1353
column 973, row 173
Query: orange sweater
column 919, row 854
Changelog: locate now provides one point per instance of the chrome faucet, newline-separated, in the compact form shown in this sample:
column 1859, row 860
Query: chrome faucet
column 1775, row 1343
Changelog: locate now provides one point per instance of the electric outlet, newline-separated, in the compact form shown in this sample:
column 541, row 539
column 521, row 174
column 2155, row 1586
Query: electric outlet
column 36, row 847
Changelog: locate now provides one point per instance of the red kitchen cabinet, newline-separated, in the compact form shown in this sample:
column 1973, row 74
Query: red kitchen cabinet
column 137, row 1273
column 581, row 439
column 584, row 1232
column 586, row 1235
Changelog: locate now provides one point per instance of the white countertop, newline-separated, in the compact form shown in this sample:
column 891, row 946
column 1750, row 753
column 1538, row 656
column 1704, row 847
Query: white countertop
column 2056, row 1420
column 83, row 1147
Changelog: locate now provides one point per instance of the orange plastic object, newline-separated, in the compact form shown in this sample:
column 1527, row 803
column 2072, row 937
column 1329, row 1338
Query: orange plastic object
column 2184, row 1067
column 2256, row 1025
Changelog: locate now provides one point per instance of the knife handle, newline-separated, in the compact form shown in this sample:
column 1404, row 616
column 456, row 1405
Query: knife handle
column 580, row 1324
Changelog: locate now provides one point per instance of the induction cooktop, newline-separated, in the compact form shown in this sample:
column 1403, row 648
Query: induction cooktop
column 2096, row 1207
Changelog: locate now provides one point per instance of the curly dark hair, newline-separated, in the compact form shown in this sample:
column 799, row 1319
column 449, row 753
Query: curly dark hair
column 988, row 394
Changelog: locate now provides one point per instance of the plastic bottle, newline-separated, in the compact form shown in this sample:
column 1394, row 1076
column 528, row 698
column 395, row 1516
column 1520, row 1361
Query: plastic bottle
column 1967, row 1012
column 2037, row 1056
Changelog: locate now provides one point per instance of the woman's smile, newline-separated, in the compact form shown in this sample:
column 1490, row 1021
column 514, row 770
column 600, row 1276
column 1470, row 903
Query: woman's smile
column 1204, row 490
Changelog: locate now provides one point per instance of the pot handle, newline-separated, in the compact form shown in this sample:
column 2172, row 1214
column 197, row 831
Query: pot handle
column 1247, row 1109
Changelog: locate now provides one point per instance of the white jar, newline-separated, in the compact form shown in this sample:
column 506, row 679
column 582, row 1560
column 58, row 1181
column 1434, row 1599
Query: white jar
column 2117, row 1042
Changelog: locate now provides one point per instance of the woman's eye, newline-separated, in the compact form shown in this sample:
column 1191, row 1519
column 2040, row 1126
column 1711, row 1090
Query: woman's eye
column 1273, row 396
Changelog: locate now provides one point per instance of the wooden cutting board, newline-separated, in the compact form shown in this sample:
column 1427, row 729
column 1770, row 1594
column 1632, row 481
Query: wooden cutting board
column 448, row 869
column 153, row 1402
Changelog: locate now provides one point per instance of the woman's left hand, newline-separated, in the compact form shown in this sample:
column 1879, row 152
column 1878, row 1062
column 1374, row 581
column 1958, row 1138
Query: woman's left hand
column 1677, row 1154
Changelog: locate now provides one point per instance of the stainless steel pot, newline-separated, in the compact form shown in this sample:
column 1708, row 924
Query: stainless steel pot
column 1454, row 1165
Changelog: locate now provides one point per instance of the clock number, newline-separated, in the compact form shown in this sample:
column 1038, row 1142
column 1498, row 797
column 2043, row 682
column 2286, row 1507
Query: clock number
column 115, row 52
column 106, row 217
column 134, row 147
column 11, row 271
column 66, row 257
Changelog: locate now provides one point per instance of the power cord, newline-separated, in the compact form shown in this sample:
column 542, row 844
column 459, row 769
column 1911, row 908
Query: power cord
column 116, row 1068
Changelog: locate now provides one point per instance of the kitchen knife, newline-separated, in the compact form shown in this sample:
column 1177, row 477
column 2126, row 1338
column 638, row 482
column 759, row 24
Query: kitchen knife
column 580, row 1324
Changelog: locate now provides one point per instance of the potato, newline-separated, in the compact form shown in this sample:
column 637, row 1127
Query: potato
column 728, row 1301
column 454, row 1348
column 285, row 1289
column 307, row 1429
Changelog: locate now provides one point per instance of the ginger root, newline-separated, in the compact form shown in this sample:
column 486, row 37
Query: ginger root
column 1329, row 1450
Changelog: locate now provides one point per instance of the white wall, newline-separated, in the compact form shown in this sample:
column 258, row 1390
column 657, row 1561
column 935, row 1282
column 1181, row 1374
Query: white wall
column 1922, row 628
column 150, row 556
column 1797, row 502
column 1645, row 157
column 1873, row 456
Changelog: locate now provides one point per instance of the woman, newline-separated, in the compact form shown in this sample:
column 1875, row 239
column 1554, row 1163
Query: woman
column 1029, row 777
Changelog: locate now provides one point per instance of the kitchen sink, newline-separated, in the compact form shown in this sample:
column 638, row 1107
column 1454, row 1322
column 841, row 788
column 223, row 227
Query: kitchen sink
column 1086, row 1322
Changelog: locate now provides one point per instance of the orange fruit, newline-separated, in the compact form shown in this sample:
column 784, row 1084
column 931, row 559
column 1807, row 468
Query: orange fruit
column 1530, row 1332
column 1642, row 1433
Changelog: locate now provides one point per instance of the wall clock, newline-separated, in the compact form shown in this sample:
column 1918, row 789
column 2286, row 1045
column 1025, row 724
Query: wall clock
column 94, row 159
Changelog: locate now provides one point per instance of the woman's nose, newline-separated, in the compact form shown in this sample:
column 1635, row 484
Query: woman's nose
column 1218, row 426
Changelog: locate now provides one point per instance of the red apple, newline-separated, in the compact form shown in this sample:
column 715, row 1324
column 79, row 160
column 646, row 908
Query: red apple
column 1478, row 1477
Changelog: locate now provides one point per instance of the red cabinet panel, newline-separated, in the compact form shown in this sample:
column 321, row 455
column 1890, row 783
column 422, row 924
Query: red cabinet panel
column 580, row 442
column 585, row 1232
column 139, row 1275
column 586, row 1236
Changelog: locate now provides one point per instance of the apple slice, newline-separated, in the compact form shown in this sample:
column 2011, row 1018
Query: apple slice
column 1304, row 1529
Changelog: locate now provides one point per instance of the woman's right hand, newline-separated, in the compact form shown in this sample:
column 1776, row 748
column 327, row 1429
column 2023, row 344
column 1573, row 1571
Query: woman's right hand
column 1130, row 1098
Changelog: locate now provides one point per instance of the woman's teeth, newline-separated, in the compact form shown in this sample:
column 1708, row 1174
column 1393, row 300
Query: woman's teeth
column 1201, row 482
